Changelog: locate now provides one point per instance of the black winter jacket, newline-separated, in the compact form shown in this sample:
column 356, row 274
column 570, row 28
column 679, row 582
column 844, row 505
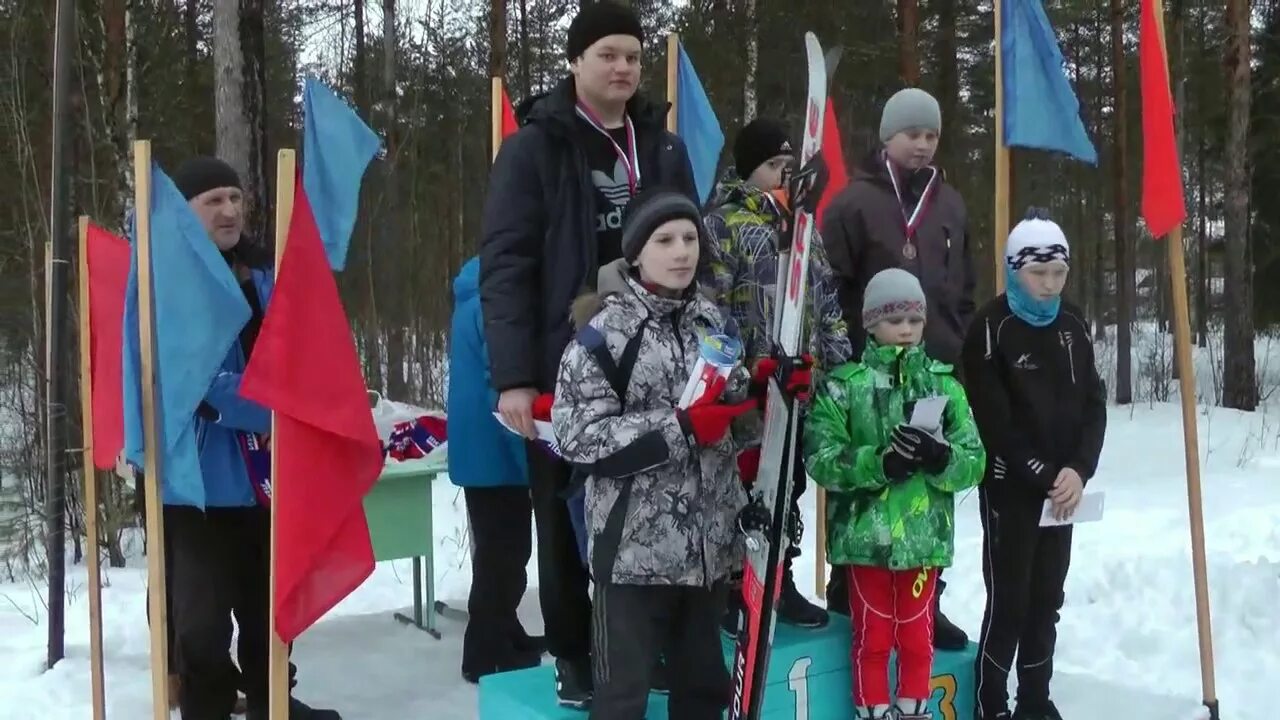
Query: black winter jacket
column 538, row 249
column 863, row 233
column 1037, row 397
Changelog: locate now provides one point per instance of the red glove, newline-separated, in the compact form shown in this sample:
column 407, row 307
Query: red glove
column 708, row 422
column 795, row 375
column 542, row 406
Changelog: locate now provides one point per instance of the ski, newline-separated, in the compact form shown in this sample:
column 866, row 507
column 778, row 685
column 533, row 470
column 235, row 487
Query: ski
column 762, row 570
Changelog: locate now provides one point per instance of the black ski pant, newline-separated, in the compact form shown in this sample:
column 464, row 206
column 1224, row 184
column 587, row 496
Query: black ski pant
column 633, row 624
column 1024, row 567
column 221, row 567
column 175, row 659
column 501, row 519
column 563, row 582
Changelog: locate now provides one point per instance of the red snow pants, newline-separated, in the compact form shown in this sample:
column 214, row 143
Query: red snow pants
column 891, row 610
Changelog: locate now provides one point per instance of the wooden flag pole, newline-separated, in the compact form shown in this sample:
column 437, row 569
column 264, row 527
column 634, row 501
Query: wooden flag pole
column 151, row 435
column 286, row 176
column 1195, row 503
column 1190, row 433
column 673, row 64
column 90, row 482
column 496, row 116
column 1001, row 217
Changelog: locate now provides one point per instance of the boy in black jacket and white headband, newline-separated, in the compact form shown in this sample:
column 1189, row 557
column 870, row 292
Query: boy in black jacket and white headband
column 1041, row 410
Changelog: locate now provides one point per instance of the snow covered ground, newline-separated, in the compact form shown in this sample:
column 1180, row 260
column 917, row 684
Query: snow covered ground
column 1127, row 638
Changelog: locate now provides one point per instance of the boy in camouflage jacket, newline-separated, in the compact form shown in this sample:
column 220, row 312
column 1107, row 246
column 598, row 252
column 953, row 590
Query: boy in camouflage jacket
column 890, row 508
column 663, row 492
column 748, row 211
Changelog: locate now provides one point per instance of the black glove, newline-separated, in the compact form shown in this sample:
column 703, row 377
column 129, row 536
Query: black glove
column 805, row 187
column 932, row 454
column 755, row 517
column 898, row 463
column 899, row 459
column 205, row 411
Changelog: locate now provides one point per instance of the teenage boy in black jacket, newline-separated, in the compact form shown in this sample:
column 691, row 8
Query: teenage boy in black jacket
column 552, row 219
column 1041, row 410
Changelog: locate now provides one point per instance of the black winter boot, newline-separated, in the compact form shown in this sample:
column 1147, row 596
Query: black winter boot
column 574, row 685
column 658, row 678
column 795, row 609
column 1039, row 711
column 733, row 610
column 298, row 710
column 946, row 635
column 526, row 643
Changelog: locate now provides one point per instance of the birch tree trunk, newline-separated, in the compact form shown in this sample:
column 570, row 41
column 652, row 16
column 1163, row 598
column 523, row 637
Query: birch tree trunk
column 753, row 62
column 239, row 83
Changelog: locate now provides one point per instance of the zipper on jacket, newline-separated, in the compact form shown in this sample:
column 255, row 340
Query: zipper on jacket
column 582, row 169
column 675, row 330
column 1071, row 358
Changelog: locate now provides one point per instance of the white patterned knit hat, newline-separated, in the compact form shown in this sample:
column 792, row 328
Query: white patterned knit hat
column 892, row 293
column 1036, row 240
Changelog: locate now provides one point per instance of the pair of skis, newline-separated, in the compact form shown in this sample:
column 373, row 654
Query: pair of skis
column 762, row 571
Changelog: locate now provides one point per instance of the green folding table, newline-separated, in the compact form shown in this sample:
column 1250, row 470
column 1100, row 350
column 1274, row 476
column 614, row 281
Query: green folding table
column 400, row 524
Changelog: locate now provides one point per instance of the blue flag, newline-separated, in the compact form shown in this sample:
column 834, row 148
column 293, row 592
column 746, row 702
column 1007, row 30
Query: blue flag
column 198, row 311
column 1041, row 110
column 331, row 177
column 697, row 125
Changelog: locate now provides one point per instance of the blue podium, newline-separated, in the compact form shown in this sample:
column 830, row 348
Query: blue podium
column 809, row 679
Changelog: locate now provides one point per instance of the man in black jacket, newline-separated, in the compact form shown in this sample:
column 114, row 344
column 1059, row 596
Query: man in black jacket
column 552, row 218
column 1041, row 409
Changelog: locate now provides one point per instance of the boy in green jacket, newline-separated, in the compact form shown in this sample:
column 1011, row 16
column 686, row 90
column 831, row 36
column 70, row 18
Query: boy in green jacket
column 891, row 483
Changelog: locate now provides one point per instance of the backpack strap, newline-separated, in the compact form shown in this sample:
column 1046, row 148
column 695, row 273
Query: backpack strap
column 618, row 375
column 627, row 362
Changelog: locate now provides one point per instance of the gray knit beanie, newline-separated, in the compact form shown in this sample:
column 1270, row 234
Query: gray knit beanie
column 648, row 211
column 892, row 293
column 908, row 109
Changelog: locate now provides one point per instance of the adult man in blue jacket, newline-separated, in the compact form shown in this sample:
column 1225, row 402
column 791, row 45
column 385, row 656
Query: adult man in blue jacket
column 489, row 464
column 221, row 554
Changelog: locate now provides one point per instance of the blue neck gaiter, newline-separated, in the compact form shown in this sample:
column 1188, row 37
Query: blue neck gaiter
column 1033, row 311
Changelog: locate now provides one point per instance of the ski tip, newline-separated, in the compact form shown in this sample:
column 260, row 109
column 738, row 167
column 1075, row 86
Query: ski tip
column 813, row 47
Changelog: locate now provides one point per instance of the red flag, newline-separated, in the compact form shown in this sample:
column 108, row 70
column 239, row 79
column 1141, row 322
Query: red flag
column 833, row 153
column 328, row 455
column 108, row 263
column 1163, row 204
column 509, row 123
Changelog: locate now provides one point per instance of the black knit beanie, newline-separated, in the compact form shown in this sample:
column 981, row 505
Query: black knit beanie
column 647, row 211
column 202, row 174
column 598, row 20
column 760, row 140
